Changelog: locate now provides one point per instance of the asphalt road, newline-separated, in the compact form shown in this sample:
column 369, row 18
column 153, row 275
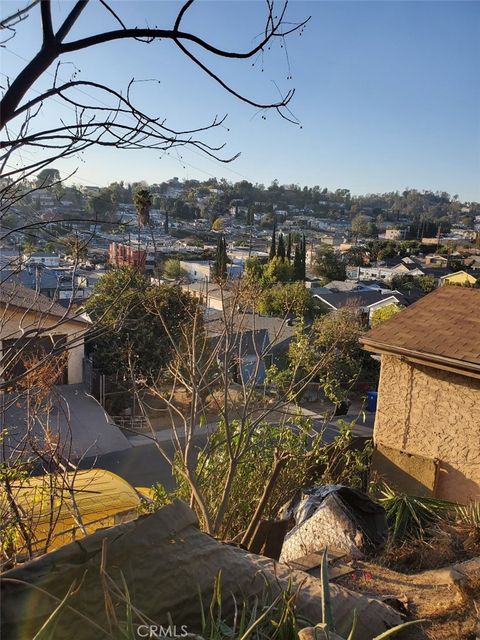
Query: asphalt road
column 143, row 466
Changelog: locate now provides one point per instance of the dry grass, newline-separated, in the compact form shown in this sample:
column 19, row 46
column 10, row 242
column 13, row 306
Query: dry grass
column 444, row 546
column 449, row 599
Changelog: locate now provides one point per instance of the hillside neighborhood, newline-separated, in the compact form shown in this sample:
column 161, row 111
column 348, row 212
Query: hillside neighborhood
column 243, row 408
column 353, row 337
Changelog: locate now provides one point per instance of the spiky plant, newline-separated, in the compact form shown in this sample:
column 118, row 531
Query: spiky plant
column 412, row 515
column 469, row 514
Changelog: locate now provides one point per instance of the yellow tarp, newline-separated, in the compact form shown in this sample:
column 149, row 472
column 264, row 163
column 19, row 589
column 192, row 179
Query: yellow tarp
column 58, row 509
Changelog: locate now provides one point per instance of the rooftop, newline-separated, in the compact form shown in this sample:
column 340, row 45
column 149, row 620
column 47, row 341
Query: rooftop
column 14, row 294
column 357, row 298
column 278, row 329
column 442, row 329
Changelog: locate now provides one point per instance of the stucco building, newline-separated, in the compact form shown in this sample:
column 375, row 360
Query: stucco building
column 427, row 425
column 32, row 324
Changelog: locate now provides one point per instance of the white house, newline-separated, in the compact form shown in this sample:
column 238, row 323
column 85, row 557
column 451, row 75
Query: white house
column 40, row 257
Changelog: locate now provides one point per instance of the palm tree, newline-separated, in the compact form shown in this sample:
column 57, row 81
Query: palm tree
column 142, row 200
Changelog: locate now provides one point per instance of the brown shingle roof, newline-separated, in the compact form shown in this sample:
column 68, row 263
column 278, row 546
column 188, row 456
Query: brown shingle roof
column 442, row 328
column 14, row 294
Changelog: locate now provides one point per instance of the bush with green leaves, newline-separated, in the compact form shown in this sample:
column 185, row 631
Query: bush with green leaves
column 136, row 324
column 306, row 460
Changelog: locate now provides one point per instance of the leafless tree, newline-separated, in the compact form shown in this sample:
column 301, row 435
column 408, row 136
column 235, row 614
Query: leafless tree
column 219, row 370
column 100, row 115
column 114, row 121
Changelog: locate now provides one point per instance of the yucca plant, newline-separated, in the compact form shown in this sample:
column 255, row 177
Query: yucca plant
column 412, row 515
column 469, row 514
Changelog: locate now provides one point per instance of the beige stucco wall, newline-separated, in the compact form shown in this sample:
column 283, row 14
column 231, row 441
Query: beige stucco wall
column 13, row 324
column 433, row 413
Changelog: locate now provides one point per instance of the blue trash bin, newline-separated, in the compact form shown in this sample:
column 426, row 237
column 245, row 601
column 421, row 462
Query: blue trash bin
column 372, row 401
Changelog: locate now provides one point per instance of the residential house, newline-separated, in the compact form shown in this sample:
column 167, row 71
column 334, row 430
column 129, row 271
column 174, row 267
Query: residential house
column 198, row 270
column 42, row 258
column 210, row 294
column 402, row 266
column 458, row 278
column 435, row 260
column 58, row 411
column 9, row 258
column 395, row 234
column 427, row 426
column 24, row 311
column 35, row 277
column 256, row 341
column 202, row 270
column 367, row 301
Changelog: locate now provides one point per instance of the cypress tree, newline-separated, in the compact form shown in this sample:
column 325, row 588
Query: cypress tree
column 281, row 247
column 289, row 247
column 297, row 263
column 165, row 224
column 223, row 273
column 304, row 259
column 220, row 264
column 273, row 247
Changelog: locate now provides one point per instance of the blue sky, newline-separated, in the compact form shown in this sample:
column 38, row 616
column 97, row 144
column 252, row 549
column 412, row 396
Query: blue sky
column 387, row 93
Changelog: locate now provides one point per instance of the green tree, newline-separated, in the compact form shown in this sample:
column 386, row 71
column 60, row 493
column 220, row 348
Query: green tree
column 282, row 299
column 384, row 313
column 297, row 262
column 250, row 219
column 388, row 250
column 304, row 259
column 221, row 259
column 336, row 339
column 328, row 265
column 281, row 247
column 100, row 205
column 29, row 248
column 136, row 323
column 355, row 256
column 253, row 269
column 74, row 247
column 277, row 270
column 47, row 177
column 289, row 247
column 273, row 244
column 360, row 225
column 171, row 269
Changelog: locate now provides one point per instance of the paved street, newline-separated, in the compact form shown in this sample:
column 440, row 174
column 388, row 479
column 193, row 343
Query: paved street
column 143, row 465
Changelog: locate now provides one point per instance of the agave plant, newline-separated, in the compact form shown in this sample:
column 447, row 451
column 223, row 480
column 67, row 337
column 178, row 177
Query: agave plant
column 412, row 515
